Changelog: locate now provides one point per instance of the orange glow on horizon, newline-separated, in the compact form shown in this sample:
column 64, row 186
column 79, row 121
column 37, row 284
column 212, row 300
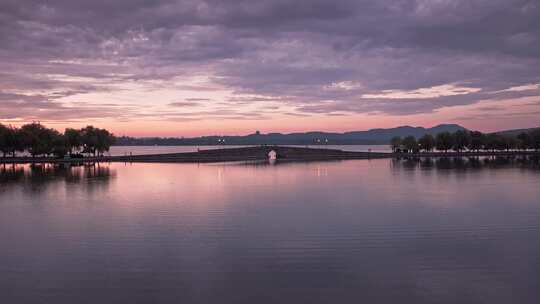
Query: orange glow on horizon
column 513, row 115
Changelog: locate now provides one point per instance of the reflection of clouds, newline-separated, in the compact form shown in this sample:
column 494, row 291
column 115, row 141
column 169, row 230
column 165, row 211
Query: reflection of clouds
column 450, row 183
column 277, row 232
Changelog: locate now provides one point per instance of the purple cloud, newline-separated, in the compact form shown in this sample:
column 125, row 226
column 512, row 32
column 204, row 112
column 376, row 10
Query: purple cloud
column 315, row 57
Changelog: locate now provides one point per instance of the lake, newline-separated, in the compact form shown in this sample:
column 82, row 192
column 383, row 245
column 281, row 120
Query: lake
column 359, row 231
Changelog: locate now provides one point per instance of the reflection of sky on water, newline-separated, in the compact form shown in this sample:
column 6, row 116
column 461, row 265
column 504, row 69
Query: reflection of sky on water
column 383, row 231
column 41, row 174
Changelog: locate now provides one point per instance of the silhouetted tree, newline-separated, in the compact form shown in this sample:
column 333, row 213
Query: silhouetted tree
column 495, row 142
column 410, row 144
column 73, row 140
column 535, row 139
column 89, row 139
column 37, row 139
column 524, row 141
column 510, row 143
column 4, row 140
column 59, row 145
column 444, row 141
column 427, row 142
column 477, row 141
column 500, row 143
column 96, row 141
column 105, row 141
column 15, row 141
column 461, row 140
column 395, row 142
column 491, row 142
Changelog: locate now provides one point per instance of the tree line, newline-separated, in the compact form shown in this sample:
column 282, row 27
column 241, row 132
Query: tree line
column 39, row 140
column 463, row 140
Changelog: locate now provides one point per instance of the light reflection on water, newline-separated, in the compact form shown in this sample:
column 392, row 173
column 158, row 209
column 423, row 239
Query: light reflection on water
column 379, row 231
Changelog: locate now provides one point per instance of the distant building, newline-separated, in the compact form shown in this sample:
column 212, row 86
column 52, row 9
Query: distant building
column 257, row 132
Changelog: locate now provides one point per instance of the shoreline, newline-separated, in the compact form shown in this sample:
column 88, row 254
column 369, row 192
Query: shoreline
column 254, row 153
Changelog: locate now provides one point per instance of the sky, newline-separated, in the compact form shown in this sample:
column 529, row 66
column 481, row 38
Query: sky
column 216, row 67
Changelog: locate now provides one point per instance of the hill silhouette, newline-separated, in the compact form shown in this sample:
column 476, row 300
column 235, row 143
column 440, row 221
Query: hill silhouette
column 369, row 137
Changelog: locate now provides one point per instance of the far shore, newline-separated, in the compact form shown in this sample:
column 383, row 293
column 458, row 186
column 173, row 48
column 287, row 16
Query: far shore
column 259, row 153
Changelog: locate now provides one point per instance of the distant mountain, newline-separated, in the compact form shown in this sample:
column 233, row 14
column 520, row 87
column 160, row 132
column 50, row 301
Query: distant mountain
column 370, row 137
column 514, row 132
column 384, row 135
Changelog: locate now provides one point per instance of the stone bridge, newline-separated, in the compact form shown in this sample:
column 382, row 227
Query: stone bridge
column 252, row 153
column 258, row 153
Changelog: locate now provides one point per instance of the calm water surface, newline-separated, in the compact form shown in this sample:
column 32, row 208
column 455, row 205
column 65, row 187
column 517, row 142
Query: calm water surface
column 380, row 231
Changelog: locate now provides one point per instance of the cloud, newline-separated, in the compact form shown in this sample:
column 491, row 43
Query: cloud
column 198, row 99
column 181, row 104
column 525, row 87
column 313, row 57
column 36, row 108
column 423, row 93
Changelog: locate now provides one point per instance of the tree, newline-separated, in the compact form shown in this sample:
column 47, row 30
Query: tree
column 59, row 145
column 395, row 142
column 444, row 141
column 96, row 141
column 14, row 140
column 461, row 140
column 427, row 142
column 524, row 141
column 495, row 142
column 535, row 139
column 410, row 144
column 510, row 142
column 73, row 140
column 37, row 139
column 4, row 140
column 477, row 141
column 104, row 141
column 89, row 139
